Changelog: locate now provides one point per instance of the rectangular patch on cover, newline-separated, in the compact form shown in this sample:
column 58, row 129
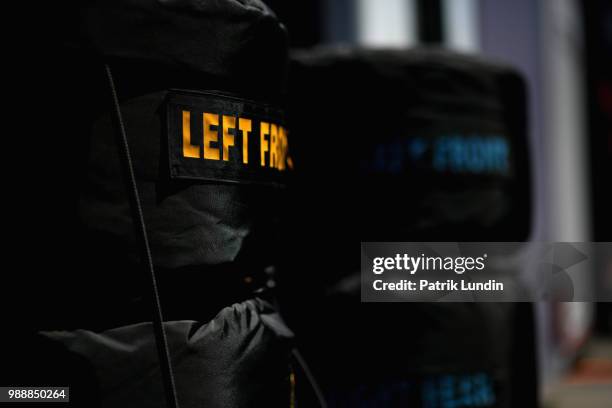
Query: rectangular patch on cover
column 225, row 138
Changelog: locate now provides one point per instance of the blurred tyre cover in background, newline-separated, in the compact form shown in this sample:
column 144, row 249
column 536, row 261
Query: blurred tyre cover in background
column 82, row 308
column 416, row 145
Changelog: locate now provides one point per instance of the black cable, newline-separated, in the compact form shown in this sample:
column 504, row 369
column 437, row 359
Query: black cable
column 310, row 378
column 145, row 251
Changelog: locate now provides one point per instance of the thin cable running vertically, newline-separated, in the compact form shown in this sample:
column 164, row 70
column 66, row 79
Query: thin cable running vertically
column 145, row 251
column 315, row 386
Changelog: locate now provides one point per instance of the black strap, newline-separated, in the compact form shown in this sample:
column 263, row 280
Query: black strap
column 145, row 251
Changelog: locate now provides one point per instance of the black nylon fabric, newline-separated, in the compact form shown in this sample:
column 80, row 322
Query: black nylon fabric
column 346, row 104
column 238, row 359
column 65, row 183
column 238, row 42
column 207, row 226
column 77, row 268
column 236, row 47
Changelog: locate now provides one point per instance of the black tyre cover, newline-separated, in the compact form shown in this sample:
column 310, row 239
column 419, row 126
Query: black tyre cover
column 212, row 223
column 418, row 145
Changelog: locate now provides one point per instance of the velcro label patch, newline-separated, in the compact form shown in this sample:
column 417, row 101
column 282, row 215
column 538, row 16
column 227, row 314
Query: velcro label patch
column 224, row 138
